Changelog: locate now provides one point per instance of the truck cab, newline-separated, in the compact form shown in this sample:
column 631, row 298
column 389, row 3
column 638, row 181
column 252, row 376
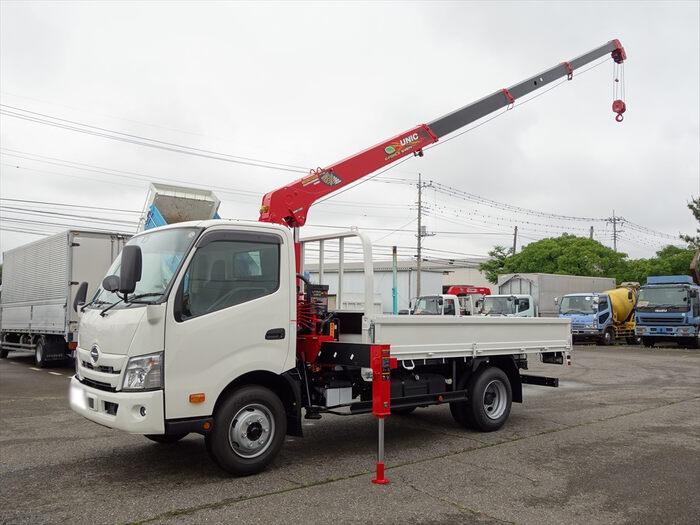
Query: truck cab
column 512, row 305
column 668, row 309
column 443, row 304
column 590, row 314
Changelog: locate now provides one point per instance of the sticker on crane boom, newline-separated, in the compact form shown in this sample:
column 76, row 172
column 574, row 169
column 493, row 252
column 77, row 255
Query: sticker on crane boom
column 329, row 178
column 413, row 142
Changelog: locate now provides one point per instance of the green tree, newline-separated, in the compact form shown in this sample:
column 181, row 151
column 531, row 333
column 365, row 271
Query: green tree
column 494, row 265
column 568, row 255
column 693, row 240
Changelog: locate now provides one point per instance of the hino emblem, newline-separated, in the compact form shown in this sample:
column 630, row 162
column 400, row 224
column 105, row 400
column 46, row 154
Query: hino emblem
column 95, row 353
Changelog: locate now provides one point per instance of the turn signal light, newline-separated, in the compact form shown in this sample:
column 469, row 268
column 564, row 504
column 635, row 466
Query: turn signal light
column 196, row 398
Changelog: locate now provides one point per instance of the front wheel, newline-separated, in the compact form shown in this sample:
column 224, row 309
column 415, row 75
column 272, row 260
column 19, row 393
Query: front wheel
column 648, row 342
column 608, row 337
column 249, row 429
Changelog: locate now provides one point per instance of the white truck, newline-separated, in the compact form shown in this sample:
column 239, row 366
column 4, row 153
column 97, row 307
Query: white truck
column 536, row 294
column 211, row 327
column 40, row 281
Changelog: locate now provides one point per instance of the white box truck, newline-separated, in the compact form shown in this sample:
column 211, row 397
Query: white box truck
column 534, row 294
column 40, row 281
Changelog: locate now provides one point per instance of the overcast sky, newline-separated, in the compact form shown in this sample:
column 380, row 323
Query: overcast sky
column 308, row 84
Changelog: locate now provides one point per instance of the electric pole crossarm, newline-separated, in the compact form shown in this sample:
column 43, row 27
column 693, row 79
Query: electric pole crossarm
column 500, row 99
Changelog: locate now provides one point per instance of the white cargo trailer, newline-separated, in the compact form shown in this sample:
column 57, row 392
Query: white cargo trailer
column 40, row 280
column 545, row 287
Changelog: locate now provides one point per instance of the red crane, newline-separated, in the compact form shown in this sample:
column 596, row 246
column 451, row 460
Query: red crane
column 290, row 204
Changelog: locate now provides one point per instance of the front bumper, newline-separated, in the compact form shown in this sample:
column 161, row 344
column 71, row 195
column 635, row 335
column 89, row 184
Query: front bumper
column 665, row 331
column 585, row 332
column 119, row 410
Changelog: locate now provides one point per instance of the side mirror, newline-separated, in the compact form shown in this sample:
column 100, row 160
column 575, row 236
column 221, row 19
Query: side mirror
column 440, row 301
column 130, row 272
column 556, row 301
column 693, row 293
column 80, row 296
column 111, row 283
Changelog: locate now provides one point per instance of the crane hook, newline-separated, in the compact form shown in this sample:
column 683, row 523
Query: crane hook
column 619, row 107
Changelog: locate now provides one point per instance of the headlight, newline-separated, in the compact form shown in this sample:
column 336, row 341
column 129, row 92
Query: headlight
column 144, row 372
column 685, row 330
column 589, row 326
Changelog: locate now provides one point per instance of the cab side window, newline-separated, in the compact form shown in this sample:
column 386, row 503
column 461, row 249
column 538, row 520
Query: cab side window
column 225, row 273
column 449, row 307
column 603, row 304
column 523, row 305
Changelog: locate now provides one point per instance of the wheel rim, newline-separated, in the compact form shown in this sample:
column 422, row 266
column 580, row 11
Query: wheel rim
column 252, row 430
column 39, row 352
column 495, row 399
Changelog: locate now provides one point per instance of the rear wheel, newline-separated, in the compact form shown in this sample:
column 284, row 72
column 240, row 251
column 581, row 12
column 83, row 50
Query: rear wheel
column 166, row 438
column 249, row 429
column 489, row 403
column 40, row 353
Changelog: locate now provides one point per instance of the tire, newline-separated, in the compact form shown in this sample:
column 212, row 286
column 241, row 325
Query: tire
column 490, row 400
column 40, row 353
column 166, row 438
column 648, row 342
column 633, row 340
column 608, row 337
column 249, row 429
column 3, row 353
column 402, row 411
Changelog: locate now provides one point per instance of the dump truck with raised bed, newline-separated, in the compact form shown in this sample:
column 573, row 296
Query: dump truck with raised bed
column 235, row 343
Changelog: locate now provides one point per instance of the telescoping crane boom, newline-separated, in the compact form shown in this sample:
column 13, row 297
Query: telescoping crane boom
column 290, row 204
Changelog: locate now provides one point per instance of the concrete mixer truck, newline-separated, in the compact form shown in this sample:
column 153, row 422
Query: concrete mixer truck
column 604, row 316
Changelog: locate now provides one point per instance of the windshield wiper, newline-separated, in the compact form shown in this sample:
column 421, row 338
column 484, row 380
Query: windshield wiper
column 103, row 312
column 142, row 295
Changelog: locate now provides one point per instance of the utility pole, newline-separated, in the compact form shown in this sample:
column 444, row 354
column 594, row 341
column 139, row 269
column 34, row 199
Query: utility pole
column 590, row 236
column 421, row 231
column 615, row 220
column 515, row 239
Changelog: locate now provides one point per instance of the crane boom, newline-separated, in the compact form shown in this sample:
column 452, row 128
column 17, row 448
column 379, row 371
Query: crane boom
column 290, row 204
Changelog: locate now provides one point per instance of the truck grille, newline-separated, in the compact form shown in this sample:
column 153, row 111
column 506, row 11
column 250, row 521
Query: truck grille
column 105, row 369
column 97, row 384
column 660, row 320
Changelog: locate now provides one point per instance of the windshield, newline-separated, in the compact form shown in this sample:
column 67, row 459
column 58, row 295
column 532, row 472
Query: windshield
column 428, row 306
column 675, row 297
column 499, row 306
column 578, row 304
column 161, row 253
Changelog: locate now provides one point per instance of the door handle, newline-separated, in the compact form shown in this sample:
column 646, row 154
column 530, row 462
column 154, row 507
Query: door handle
column 275, row 333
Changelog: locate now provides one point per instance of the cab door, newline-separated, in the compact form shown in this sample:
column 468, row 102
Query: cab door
column 231, row 313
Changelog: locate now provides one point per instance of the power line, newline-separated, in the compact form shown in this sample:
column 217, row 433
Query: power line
column 71, row 125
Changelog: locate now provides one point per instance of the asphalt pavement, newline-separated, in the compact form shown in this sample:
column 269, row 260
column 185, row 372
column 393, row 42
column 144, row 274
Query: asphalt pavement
column 617, row 442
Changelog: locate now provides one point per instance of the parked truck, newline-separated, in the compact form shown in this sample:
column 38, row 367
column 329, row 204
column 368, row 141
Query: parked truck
column 40, row 281
column 471, row 298
column 535, row 294
column 235, row 341
column 668, row 309
column 441, row 304
column 604, row 317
